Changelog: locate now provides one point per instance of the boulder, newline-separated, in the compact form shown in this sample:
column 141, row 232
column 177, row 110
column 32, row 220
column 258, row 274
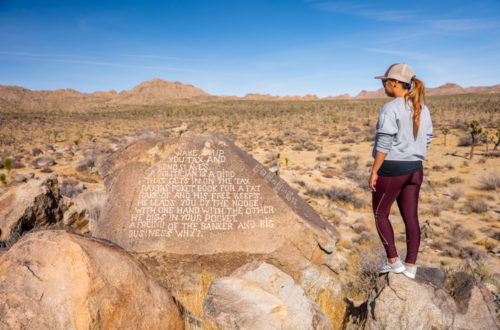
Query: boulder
column 56, row 280
column 259, row 292
column 233, row 303
column 201, row 202
column 35, row 204
column 423, row 303
column 42, row 162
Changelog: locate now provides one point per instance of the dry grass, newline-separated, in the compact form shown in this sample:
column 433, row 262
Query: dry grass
column 191, row 303
column 333, row 307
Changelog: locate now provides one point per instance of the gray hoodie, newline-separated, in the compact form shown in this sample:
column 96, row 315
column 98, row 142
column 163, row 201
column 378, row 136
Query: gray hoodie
column 394, row 134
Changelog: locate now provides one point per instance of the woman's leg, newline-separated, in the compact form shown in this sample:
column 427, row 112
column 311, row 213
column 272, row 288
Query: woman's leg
column 388, row 188
column 408, row 206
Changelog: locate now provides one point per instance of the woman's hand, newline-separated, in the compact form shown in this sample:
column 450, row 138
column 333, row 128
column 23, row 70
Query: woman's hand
column 373, row 181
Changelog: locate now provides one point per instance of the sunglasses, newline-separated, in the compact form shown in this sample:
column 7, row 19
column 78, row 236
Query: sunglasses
column 385, row 80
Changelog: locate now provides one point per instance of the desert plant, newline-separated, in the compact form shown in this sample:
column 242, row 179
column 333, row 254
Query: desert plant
column 7, row 163
column 490, row 182
column 497, row 135
column 484, row 138
column 456, row 193
column 477, row 206
column 181, row 131
column 286, row 161
column 76, row 142
column 445, row 132
column 475, row 130
column 3, row 178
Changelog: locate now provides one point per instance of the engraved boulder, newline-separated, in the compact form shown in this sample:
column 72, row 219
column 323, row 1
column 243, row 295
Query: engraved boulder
column 199, row 201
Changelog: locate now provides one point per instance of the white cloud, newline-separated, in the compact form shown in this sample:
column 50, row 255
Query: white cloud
column 366, row 10
column 409, row 54
column 464, row 24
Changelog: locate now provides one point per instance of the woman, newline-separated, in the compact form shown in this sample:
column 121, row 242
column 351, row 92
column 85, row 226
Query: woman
column 403, row 134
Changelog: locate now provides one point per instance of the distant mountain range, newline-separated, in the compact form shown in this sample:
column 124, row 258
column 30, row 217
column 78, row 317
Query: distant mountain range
column 161, row 92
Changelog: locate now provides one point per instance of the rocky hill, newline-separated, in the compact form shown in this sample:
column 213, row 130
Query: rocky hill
column 161, row 92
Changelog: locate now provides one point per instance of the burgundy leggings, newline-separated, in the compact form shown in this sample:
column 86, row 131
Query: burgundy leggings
column 404, row 189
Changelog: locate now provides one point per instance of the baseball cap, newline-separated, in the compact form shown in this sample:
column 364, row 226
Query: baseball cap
column 399, row 71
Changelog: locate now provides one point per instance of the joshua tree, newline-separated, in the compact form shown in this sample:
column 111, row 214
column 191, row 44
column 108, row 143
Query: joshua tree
column 445, row 132
column 475, row 130
column 484, row 138
column 48, row 133
column 497, row 135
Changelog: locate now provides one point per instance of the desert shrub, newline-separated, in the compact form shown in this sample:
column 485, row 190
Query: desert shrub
column 458, row 124
column 363, row 264
column 349, row 140
column 437, row 167
column 70, row 188
column 435, row 210
column 354, row 128
column 459, row 233
column 360, row 177
column 455, row 179
column 490, row 181
column 476, row 205
column 464, row 141
column 322, row 158
column 333, row 194
column 3, row 178
column 93, row 201
column 449, row 167
column 349, row 162
column 345, row 149
column 7, row 163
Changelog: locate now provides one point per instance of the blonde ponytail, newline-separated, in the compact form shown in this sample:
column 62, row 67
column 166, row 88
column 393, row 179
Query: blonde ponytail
column 417, row 97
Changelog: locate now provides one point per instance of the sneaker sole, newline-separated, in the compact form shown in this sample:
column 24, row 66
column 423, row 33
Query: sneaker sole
column 410, row 275
column 397, row 270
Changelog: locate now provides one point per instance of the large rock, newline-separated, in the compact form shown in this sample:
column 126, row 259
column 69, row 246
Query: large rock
column 233, row 303
column 200, row 200
column 57, row 280
column 259, row 295
column 423, row 303
column 35, row 204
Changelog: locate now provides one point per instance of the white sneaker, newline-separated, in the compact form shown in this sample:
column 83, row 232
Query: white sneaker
column 410, row 271
column 396, row 267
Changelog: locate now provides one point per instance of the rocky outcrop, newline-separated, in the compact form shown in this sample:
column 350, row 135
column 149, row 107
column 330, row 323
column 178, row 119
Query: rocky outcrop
column 259, row 295
column 34, row 204
column 56, row 280
column 200, row 195
column 199, row 203
column 424, row 303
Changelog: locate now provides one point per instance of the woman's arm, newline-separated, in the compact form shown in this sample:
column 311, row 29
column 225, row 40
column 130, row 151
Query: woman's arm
column 379, row 159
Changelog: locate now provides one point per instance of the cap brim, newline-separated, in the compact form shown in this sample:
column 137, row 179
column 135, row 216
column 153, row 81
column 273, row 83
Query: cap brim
column 380, row 77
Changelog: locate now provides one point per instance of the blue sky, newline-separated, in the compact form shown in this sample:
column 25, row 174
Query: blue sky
column 289, row 47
